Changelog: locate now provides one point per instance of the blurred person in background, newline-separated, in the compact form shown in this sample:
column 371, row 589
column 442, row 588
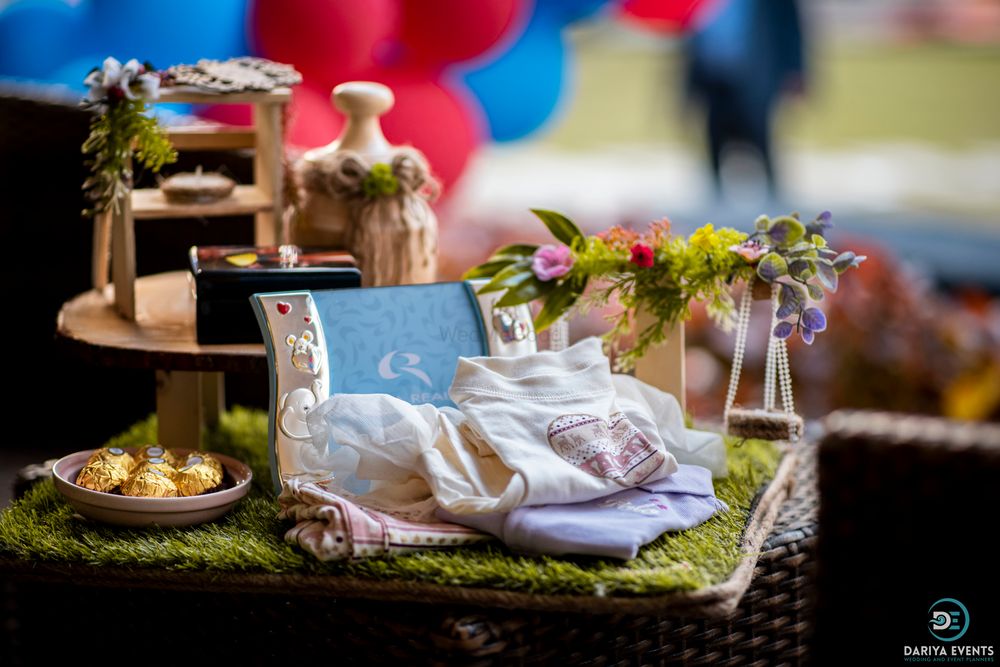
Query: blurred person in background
column 739, row 62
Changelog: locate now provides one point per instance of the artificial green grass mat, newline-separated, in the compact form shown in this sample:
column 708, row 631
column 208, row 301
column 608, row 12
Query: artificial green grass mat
column 42, row 527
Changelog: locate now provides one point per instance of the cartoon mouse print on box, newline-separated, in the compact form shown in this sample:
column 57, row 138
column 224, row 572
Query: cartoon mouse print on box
column 612, row 448
column 306, row 356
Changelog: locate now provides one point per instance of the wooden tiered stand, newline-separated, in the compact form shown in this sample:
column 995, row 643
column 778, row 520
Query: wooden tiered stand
column 114, row 233
column 149, row 322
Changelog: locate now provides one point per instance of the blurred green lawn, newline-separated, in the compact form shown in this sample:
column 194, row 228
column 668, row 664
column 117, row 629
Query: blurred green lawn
column 943, row 95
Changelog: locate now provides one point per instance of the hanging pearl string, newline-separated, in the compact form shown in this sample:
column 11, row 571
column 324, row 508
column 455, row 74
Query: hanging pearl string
column 742, row 325
column 770, row 364
column 785, row 379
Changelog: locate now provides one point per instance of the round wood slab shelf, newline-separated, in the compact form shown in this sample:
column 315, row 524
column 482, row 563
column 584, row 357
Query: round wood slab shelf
column 190, row 387
column 162, row 336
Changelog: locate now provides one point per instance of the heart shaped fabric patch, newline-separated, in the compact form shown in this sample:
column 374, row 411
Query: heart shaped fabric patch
column 612, row 448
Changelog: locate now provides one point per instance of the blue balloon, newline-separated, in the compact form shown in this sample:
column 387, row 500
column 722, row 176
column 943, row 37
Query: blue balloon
column 50, row 41
column 571, row 11
column 521, row 90
column 167, row 32
column 38, row 36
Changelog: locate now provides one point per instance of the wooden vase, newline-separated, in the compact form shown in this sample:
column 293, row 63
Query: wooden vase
column 663, row 365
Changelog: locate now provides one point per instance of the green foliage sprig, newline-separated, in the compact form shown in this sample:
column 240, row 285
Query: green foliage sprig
column 120, row 128
column 115, row 135
column 380, row 182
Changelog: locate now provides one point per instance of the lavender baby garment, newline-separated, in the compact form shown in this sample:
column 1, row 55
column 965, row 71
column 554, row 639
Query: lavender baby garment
column 612, row 527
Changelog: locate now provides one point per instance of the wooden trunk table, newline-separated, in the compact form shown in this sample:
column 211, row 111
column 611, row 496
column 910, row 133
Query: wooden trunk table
column 190, row 391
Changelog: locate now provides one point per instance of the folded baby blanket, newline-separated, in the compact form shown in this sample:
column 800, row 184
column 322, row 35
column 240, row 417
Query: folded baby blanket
column 611, row 527
column 333, row 528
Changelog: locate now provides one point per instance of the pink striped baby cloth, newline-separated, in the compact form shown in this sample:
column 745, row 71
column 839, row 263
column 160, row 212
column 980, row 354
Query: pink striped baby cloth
column 333, row 528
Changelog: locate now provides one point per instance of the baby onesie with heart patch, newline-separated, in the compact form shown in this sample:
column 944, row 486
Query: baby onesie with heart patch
column 552, row 418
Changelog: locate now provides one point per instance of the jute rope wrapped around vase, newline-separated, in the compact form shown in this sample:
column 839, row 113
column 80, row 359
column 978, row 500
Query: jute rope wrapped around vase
column 392, row 229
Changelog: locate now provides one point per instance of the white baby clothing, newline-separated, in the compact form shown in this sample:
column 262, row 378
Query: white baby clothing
column 552, row 418
column 656, row 411
column 415, row 456
column 536, row 429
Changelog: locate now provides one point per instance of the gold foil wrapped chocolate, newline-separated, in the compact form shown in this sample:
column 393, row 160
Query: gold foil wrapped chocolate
column 113, row 455
column 156, row 452
column 149, row 483
column 102, row 475
column 197, row 478
column 195, row 458
column 155, row 463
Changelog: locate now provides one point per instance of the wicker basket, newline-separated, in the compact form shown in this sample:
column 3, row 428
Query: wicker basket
column 908, row 517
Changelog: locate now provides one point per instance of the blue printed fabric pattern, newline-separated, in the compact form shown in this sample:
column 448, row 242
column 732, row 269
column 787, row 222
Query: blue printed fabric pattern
column 404, row 341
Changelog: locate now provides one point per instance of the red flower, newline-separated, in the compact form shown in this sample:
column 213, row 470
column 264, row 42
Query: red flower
column 642, row 256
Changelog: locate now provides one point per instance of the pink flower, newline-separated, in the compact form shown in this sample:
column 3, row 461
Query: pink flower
column 551, row 261
column 642, row 256
column 751, row 251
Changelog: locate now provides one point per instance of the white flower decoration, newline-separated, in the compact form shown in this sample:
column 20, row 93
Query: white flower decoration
column 123, row 77
column 129, row 72
column 150, row 85
column 112, row 73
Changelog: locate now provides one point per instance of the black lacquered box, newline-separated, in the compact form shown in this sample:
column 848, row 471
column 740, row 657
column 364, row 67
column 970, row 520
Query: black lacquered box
column 226, row 276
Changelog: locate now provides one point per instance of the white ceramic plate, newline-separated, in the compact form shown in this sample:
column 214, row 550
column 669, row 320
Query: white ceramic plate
column 128, row 511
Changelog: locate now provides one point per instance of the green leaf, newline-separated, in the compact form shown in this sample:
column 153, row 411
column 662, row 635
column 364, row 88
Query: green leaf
column 815, row 292
column 557, row 302
column 488, row 269
column 785, row 231
column 762, row 223
column 509, row 277
column 796, row 291
column 525, row 292
column 818, row 241
column 827, row 276
column 561, row 227
column 843, row 262
column 772, row 267
column 516, row 250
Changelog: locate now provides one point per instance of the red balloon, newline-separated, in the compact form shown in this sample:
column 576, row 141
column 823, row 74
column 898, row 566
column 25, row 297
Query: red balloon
column 231, row 114
column 312, row 120
column 327, row 40
column 665, row 16
column 445, row 124
column 440, row 32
